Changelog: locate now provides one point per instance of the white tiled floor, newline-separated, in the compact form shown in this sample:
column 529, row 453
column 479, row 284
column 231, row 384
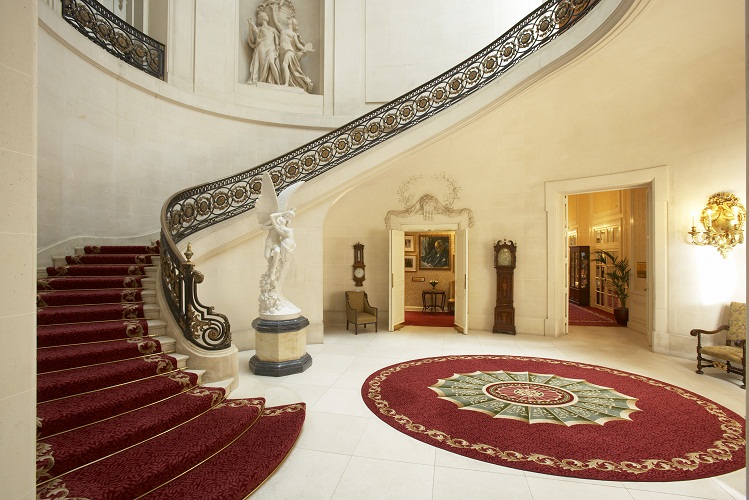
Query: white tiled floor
column 345, row 452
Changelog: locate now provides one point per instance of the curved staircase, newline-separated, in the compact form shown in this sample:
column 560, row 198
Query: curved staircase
column 118, row 414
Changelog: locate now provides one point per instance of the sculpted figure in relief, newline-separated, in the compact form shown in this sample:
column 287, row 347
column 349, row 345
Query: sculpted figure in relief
column 274, row 217
column 288, row 47
column 291, row 50
column 263, row 39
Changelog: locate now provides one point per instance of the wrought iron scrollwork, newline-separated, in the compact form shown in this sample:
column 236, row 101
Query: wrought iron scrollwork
column 199, row 323
column 115, row 36
column 199, row 207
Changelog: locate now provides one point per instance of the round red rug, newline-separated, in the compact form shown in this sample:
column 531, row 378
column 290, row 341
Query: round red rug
column 558, row 417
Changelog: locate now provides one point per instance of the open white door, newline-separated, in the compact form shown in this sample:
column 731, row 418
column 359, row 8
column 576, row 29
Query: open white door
column 461, row 281
column 566, row 326
column 397, row 303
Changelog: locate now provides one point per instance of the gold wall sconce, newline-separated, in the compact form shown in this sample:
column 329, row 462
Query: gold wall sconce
column 723, row 219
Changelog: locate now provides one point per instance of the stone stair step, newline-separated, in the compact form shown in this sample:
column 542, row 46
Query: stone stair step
column 153, row 248
column 149, row 283
column 199, row 374
column 221, row 384
column 181, row 359
column 156, row 327
column 168, row 344
column 149, row 296
column 151, row 311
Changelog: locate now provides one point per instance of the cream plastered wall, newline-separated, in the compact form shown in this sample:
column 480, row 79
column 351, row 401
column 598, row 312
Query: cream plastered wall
column 594, row 116
column 419, row 39
column 112, row 150
column 382, row 49
column 626, row 105
column 18, row 233
column 102, row 121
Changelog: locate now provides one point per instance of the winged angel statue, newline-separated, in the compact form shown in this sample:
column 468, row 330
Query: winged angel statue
column 274, row 217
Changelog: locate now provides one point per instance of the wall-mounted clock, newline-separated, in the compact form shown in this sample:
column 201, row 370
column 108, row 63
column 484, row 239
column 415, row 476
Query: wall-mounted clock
column 359, row 264
column 504, row 263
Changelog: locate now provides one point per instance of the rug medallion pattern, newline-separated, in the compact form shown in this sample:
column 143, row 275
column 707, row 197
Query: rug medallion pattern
column 535, row 398
column 642, row 429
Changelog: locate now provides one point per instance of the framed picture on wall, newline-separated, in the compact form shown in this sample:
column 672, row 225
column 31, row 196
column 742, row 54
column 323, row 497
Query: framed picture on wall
column 409, row 243
column 435, row 252
column 409, row 263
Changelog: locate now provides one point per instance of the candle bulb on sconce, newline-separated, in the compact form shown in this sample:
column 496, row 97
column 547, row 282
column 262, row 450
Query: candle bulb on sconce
column 723, row 219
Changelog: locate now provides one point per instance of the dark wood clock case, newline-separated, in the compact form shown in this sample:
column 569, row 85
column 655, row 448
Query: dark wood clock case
column 504, row 310
column 358, row 266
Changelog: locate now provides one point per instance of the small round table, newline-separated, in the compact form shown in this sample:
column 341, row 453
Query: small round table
column 433, row 299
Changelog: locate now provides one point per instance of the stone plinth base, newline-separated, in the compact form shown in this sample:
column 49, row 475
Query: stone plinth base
column 280, row 347
column 280, row 368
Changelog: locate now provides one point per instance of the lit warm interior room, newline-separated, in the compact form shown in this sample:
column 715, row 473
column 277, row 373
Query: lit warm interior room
column 373, row 249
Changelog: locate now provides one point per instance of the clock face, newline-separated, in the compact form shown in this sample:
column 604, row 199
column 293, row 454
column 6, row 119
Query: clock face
column 359, row 272
column 504, row 258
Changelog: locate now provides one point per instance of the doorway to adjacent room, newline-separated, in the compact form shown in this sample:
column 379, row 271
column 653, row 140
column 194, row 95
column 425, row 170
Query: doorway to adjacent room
column 428, row 273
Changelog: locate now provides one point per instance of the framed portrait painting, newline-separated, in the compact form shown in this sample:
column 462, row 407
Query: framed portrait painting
column 408, row 243
column 409, row 263
column 435, row 252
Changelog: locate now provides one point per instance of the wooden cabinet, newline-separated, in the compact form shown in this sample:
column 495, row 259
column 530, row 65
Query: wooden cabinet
column 580, row 275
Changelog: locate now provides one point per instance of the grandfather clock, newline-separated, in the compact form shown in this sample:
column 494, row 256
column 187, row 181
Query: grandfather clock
column 504, row 263
column 358, row 264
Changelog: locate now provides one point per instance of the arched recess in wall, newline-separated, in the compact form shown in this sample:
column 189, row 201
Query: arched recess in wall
column 656, row 179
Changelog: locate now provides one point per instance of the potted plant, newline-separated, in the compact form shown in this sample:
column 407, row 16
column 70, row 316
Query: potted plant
column 617, row 271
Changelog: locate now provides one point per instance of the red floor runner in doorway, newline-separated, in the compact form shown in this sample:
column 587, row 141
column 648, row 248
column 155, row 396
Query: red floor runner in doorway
column 589, row 316
column 417, row 318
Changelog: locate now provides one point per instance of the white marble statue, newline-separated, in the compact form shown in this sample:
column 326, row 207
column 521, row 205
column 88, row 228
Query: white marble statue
column 277, row 47
column 273, row 216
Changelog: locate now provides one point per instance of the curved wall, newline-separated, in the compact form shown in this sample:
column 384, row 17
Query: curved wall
column 114, row 143
column 646, row 96
column 675, row 102
column 102, row 121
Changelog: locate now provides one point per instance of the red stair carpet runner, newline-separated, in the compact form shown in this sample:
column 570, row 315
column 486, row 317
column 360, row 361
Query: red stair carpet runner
column 118, row 415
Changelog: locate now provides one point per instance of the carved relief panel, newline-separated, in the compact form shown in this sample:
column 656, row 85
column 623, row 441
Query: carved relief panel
column 281, row 44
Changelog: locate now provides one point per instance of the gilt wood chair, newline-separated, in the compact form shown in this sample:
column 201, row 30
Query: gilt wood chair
column 732, row 356
column 358, row 311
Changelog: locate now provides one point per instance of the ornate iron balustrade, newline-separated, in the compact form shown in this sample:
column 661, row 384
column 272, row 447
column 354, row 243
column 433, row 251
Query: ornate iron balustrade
column 115, row 36
column 199, row 207
column 199, row 324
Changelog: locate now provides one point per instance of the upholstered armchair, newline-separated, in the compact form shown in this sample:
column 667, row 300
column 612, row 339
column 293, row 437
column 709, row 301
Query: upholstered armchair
column 358, row 311
column 732, row 356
